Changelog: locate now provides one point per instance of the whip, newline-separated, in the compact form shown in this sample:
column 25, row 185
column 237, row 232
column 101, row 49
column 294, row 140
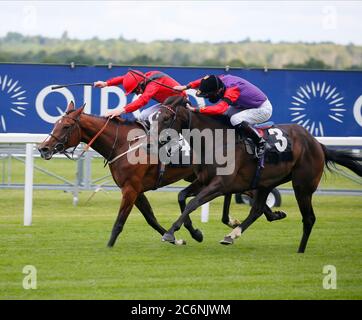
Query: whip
column 72, row 85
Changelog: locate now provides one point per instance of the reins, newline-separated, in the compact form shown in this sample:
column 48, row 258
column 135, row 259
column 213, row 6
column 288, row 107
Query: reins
column 86, row 148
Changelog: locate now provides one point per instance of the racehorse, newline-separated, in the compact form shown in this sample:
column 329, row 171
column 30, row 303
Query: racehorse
column 304, row 169
column 75, row 127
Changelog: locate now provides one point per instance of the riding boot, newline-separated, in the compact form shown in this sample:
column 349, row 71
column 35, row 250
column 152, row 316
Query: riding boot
column 245, row 128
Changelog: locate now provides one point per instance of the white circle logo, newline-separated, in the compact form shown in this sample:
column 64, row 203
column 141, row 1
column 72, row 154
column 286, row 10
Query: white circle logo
column 12, row 99
column 314, row 104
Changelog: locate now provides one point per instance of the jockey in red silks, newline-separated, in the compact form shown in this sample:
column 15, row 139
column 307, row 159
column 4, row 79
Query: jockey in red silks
column 242, row 101
column 139, row 83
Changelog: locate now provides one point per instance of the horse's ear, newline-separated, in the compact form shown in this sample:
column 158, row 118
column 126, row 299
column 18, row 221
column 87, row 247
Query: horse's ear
column 81, row 109
column 70, row 107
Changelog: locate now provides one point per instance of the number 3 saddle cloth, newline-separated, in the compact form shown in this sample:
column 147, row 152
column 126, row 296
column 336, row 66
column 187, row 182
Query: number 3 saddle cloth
column 278, row 147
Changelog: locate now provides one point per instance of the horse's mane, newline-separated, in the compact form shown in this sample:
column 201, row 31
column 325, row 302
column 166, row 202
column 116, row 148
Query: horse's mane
column 124, row 122
column 175, row 101
column 217, row 119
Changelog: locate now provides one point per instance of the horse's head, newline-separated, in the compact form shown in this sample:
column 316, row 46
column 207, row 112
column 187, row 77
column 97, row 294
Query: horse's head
column 172, row 115
column 66, row 133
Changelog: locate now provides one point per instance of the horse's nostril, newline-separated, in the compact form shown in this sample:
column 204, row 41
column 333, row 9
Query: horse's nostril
column 59, row 147
column 43, row 149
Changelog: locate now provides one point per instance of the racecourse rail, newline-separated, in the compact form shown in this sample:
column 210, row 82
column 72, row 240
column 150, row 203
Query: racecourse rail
column 30, row 140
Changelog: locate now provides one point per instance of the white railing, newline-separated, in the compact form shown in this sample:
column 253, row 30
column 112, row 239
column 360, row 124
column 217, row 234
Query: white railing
column 31, row 139
column 341, row 141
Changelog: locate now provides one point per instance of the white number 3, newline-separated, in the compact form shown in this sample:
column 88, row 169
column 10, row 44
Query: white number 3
column 282, row 142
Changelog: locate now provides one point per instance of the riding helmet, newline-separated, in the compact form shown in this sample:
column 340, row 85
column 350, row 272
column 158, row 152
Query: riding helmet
column 209, row 85
column 132, row 80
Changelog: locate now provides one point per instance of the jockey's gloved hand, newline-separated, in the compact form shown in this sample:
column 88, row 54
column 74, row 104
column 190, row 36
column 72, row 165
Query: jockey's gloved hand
column 100, row 84
column 114, row 113
column 180, row 88
column 191, row 108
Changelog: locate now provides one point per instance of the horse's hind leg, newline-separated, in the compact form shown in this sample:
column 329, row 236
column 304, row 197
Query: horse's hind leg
column 273, row 215
column 190, row 191
column 304, row 199
column 305, row 181
column 269, row 214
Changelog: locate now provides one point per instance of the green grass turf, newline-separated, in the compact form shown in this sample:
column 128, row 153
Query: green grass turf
column 67, row 245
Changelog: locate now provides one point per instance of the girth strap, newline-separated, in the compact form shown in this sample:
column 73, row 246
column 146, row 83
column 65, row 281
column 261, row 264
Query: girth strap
column 161, row 171
column 259, row 167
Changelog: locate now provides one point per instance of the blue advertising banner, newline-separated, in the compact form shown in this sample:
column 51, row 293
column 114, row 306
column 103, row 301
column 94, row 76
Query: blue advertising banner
column 327, row 103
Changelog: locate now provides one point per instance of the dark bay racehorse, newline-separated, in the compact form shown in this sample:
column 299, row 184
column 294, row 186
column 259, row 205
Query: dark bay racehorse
column 304, row 170
column 75, row 127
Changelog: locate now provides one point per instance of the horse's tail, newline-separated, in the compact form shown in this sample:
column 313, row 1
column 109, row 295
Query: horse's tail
column 344, row 158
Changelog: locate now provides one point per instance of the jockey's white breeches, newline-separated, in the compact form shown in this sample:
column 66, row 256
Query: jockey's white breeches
column 147, row 114
column 252, row 116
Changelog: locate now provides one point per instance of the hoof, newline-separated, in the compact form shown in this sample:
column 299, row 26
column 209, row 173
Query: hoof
column 277, row 215
column 180, row 242
column 168, row 237
column 198, row 236
column 110, row 244
column 227, row 240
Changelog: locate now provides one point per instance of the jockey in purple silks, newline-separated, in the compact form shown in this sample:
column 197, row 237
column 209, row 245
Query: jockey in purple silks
column 242, row 101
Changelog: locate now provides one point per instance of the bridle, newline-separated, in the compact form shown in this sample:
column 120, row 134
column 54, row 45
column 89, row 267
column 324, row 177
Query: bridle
column 175, row 112
column 61, row 142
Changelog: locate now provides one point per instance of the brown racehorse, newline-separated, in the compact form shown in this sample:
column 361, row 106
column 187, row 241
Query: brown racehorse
column 304, row 170
column 75, row 127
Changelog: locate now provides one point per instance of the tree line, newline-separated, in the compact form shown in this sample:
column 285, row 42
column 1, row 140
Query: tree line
column 15, row 47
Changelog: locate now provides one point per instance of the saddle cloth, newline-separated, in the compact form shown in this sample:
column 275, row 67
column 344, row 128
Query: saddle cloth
column 278, row 146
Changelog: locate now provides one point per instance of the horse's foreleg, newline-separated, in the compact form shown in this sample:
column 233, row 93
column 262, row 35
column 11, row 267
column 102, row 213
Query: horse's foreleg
column 230, row 222
column 145, row 208
column 190, row 191
column 255, row 212
column 206, row 194
column 128, row 199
